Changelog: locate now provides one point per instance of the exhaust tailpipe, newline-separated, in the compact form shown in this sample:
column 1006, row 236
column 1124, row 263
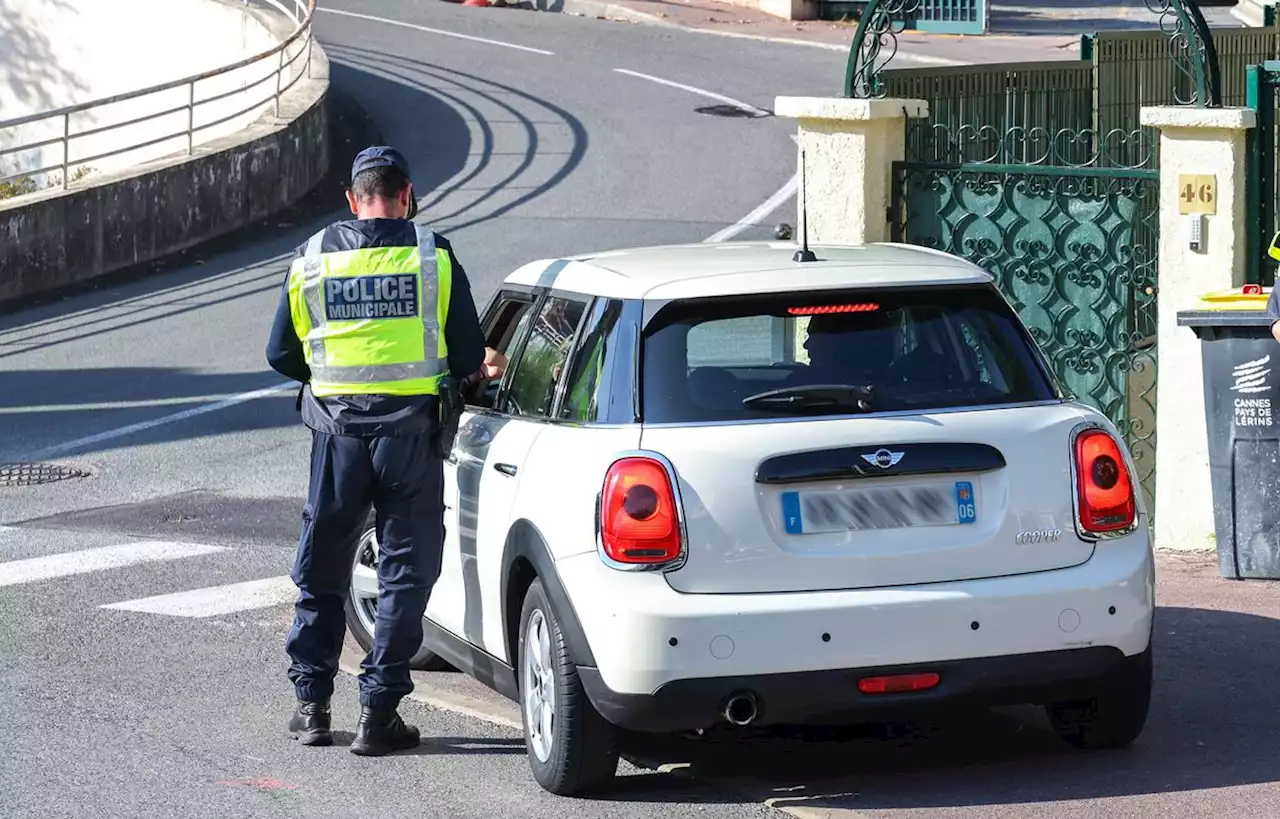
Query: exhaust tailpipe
column 742, row 709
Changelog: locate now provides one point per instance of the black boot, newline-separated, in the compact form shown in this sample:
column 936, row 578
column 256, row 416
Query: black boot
column 381, row 732
column 310, row 723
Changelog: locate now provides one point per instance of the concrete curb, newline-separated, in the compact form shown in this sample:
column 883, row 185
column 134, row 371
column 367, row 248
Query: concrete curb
column 349, row 662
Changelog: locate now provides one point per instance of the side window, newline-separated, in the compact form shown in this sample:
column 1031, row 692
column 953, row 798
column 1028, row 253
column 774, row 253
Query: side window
column 532, row 388
column 505, row 328
column 587, row 373
column 508, row 324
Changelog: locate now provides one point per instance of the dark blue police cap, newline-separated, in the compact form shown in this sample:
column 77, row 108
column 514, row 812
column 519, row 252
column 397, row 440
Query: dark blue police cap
column 379, row 156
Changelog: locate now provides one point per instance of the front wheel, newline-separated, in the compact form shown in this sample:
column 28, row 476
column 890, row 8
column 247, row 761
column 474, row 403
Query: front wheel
column 1116, row 713
column 362, row 600
column 572, row 749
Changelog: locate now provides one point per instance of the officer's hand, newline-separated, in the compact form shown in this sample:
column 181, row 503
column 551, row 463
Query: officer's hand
column 495, row 363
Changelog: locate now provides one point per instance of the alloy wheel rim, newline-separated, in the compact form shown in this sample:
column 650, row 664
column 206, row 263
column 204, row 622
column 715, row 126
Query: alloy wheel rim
column 364, row 581
column 539, row 687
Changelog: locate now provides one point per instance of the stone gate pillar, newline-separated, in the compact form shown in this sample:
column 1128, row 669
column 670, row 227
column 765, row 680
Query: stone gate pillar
column 849, row 147
column 1194, row 142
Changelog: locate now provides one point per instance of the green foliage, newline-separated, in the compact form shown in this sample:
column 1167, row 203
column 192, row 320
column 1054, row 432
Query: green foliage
column 25, row 185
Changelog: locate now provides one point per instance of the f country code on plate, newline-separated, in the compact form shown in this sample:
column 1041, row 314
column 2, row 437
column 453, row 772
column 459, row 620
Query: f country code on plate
column 371, row 297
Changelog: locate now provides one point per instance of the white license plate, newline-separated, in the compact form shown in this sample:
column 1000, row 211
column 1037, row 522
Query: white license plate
column 823, row 511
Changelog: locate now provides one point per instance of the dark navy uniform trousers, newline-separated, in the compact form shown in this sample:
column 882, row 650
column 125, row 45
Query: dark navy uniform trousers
column 402, row 477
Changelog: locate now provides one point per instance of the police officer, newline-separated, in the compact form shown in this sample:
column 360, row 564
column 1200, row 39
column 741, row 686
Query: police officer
column 377, row 322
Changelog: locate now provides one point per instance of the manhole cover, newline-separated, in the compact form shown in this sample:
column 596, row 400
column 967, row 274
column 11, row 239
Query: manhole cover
column 731, row 111
column 35, row 474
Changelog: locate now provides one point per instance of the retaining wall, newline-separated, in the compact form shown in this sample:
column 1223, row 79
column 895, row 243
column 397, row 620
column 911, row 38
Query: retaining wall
column 112, row 221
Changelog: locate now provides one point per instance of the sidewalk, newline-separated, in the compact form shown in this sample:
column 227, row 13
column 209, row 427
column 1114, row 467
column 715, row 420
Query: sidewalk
column 1032, row 30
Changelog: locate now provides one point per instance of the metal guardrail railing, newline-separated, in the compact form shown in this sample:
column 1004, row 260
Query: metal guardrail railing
column 300, row 12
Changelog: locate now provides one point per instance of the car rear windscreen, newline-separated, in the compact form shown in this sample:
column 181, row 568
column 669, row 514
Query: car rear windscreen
column 836, row 352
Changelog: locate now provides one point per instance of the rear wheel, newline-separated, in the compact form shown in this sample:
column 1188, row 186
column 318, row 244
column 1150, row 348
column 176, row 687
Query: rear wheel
column 362, row 600
column 572, row 749
column 1116, row 713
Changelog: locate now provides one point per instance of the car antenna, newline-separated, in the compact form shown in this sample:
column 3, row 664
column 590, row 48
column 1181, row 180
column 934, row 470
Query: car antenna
column 804, row 254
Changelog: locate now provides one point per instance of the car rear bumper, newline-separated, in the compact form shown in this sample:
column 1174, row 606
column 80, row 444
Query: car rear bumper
column 651, row 641
column 833, row 696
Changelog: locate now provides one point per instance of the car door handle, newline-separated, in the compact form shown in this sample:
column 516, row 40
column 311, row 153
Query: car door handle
column 505, row 469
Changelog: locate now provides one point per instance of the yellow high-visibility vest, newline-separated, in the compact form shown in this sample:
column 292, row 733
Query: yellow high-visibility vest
column 372, row 320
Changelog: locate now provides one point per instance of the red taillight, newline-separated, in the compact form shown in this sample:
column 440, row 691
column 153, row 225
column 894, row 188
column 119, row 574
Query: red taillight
column 639, row 522
column 1104, row 489
column 866, row 307
column 898, row 683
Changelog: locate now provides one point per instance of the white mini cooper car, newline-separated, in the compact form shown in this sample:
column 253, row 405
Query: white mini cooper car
column 718, row 485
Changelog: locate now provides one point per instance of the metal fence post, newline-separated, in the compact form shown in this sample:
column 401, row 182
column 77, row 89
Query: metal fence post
column 279, row 72
column 191, row 116
column 66, row 147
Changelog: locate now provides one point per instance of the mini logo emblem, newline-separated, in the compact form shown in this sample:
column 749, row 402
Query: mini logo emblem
column 883, row 458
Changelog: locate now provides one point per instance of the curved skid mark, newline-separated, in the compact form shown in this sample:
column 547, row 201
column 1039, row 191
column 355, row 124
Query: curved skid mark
column 575, row 154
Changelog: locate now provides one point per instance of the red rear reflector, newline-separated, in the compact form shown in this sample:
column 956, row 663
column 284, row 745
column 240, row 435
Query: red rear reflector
column 898, row 683
column 1104, row 488
column 639, row 522
column 868, row 307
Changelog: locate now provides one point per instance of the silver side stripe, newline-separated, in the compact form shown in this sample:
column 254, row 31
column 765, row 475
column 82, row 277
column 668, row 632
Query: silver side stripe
column 430, row 279
column 312, row 271
column 374, row 374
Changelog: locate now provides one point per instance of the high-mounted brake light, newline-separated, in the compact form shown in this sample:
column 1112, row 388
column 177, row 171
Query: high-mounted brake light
column 1105, row 501
column 822, row 310
column 639, row 518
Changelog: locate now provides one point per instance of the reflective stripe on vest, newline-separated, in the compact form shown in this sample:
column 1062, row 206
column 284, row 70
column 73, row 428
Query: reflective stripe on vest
column 371, row 319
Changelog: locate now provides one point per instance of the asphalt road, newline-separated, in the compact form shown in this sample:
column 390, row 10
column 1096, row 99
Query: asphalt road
column 116, row 702
column 141, row 710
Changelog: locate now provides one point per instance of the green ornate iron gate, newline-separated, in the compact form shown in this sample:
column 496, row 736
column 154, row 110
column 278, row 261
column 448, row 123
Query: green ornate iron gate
column 1026, row 170
column 1261, row 192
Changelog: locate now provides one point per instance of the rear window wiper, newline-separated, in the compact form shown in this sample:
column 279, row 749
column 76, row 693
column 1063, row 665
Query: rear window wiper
column 814, row 396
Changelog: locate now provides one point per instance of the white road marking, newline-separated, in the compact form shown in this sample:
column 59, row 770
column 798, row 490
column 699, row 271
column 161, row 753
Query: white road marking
column 35, row 569
column 843, row 48
column 142, row 403
column 142, row 426
column 767, row 207
column 694, row 90
column 216, row 600
column 401, row 24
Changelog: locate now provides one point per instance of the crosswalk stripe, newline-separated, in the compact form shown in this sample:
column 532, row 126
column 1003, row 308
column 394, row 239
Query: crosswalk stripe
column 35, row 569
column 215, row 600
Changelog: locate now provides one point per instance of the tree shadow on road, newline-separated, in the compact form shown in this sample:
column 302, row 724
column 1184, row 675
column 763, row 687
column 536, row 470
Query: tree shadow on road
column 1214, row 721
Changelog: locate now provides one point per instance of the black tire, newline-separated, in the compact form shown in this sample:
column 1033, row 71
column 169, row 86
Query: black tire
column 1116, row 713
column 583, row 753
column 423, row 660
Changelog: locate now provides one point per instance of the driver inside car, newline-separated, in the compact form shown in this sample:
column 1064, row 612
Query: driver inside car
column 849, row 348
